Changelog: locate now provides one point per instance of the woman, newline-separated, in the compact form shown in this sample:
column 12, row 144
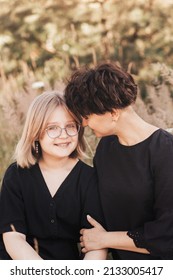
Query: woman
column 134, row 164
column 47, row 193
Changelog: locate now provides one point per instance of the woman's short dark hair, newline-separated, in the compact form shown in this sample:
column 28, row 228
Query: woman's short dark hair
column 99, row 90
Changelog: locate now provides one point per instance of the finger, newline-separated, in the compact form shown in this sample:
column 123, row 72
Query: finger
column 93, row 222
column 84, row 250
column 81, row 238
column 82, row 230
column 82, row 245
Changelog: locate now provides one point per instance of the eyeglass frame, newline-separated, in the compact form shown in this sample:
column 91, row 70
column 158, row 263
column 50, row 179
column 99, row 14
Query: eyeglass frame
column 78, row 126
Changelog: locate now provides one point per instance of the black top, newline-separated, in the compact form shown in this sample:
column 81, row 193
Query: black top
column 136, row 190
column 53, row 223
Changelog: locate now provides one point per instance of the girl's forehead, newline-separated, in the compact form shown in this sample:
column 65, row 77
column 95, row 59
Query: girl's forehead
column 60, row 114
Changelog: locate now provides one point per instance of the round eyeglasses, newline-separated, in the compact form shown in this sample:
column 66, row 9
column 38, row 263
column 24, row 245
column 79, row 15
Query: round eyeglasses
column 55, row 131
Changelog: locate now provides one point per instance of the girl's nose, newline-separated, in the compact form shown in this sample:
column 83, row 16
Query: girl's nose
column 63, row 133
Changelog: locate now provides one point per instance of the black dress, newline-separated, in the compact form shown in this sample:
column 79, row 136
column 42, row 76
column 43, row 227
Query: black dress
column 50, row 223
column 136, row 190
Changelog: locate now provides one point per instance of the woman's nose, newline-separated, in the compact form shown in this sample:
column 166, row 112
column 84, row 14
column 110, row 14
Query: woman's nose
column 84, row 122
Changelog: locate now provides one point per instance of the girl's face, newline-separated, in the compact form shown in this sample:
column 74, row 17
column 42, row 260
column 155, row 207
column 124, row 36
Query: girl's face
column 55, row 142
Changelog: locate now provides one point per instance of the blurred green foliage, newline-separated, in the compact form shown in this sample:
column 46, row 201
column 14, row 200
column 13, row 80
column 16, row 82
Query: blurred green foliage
column 54, row 37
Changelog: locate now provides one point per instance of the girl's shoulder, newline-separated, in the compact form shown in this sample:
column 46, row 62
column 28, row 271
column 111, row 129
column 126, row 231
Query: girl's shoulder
column 11, row 170
column 11, row 177
column 14, row 171
column 84, row 167
column 84, row 172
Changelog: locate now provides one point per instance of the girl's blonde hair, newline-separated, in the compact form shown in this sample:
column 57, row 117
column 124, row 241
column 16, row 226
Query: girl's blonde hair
column 36, row 120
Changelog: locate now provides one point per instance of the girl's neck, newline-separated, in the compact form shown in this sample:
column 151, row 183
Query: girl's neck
column 50, row 164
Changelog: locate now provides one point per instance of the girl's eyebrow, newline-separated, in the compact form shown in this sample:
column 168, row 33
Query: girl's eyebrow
column 49, row 123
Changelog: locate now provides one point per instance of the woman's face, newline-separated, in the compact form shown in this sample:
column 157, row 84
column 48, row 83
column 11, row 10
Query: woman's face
column 102, row 125
column 59, row 146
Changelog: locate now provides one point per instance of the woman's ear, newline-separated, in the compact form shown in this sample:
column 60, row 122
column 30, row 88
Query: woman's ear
column 115, row 115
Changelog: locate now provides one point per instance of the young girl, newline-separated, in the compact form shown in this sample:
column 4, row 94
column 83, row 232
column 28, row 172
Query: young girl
column 48, row 192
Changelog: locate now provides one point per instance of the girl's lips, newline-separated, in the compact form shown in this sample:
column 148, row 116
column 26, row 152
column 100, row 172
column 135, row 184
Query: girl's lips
column 62, row 144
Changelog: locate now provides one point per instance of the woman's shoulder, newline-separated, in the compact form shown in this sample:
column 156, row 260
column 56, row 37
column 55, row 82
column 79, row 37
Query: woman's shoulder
column 166, row 134
column 106, row 141
column 105, row 147
column 161, row 146
column 161, row 138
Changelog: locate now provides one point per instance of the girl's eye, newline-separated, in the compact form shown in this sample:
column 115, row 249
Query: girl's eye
column 73, row 125
column 52, row 127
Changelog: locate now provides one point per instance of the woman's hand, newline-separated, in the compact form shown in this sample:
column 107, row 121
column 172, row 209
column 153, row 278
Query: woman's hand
column 98, row 238
column 92, row 239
